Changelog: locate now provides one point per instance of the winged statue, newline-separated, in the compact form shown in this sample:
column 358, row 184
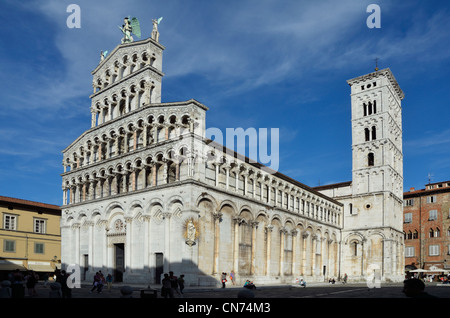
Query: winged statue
column 130, row 26
column 103, row 55
column 155, row 33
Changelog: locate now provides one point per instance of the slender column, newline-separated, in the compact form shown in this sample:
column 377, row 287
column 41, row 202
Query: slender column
column 177, row 171
column 154, row 170
column 91, row 190
column 245, row 184
column 165, row 166
column 227, row 169
column 146, row 251
column 254, row 225
column 294, row 252
column 93, row 118
column 281, row 261
column 91, row 245
column 167, row 237
column 145, row 136
column 64, row 196
column 76, row 229
column 304, row 252
column 128, row 247
column 100, row 151
column 268, row 230
column 217, row 175
column 217, row 217
column 253, row 187
column 236, row 244
column 313, row 255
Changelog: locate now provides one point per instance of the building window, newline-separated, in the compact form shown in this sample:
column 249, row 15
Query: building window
column 415, row 235
column 431, row 199
column 432, row 215
column 367, row 134
column 9, row 246
column 408, row 202
column 433, row 250
column 370, row 159
column 39, row 248
column 39, row 226
column 10, row 222
column 435, row 233
column 409, row 251
column 408, row 218
column 409, row 237
column 355, row 248
column 374, row 133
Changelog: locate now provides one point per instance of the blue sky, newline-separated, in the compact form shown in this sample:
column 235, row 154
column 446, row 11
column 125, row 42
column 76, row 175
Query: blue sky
column 262, row 64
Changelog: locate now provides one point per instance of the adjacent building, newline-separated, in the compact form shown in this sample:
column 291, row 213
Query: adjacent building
column 30, row 237
column 426, row 225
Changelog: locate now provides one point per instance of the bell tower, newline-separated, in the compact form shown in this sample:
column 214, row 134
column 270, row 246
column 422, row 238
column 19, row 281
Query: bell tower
column 377, row 134
column 377, row 169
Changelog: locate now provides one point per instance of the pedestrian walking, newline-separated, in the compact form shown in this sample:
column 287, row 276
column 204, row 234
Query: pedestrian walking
column 109, row 280
column 181, row 283
column 95, row 282
column 66, row 292
column 224, row 279
column 31, row 279
column 174, row 283
column 233, row 277
column 166, row 289
column 101, row 282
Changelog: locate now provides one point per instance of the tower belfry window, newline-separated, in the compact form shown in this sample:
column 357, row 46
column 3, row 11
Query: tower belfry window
column 374, row 133
column 370, row 159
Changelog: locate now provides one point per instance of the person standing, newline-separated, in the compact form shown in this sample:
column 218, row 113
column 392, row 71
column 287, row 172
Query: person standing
column 181, row 283
column 109, row 280
column 66, row 292
column 174, row 283
column 233, row 278
column 224, row 279
column 96, row 282
column 345, row 278
column 166, row 289
column 31, row 284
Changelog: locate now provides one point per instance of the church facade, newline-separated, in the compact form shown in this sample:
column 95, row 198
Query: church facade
column 145, row 193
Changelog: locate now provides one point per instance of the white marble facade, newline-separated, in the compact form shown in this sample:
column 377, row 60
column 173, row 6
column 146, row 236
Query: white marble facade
column 144, row 193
